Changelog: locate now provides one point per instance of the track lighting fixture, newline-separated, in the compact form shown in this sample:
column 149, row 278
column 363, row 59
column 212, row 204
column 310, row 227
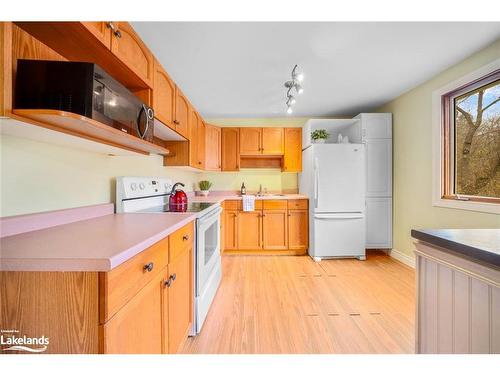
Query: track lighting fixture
column 293, row 84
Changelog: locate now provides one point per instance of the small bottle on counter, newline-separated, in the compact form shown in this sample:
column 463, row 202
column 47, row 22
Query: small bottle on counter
column 243, row 189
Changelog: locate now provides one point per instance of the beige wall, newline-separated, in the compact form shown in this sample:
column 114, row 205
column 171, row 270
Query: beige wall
column 412, row 130
column 37, row 176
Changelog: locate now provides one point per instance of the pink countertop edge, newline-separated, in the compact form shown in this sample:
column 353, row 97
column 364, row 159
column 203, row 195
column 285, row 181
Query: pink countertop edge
column 46, row 241
column 12, row 225
column 95, row 244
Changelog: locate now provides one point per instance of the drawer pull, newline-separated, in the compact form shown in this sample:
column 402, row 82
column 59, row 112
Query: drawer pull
column 185, row 237
column 173, row 277
column 149, row 267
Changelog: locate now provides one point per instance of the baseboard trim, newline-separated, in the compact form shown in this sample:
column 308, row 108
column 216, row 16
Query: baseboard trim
column 403, row 258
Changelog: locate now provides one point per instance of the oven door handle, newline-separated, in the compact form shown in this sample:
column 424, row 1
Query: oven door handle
column 210, row 215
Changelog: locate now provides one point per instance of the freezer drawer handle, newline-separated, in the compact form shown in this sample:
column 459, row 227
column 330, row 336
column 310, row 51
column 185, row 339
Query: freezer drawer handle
column 338, row 216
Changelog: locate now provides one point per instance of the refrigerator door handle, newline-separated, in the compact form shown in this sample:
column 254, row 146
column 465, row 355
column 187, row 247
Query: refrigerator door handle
column 341, row 216
column 316, row 182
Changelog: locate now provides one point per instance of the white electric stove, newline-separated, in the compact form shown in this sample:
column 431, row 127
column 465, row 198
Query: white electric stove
column 150, row 195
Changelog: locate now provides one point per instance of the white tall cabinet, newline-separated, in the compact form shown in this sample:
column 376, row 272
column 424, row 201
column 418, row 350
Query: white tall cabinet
column 376, row 134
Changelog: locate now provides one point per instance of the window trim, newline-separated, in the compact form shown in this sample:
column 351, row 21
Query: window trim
column 441, row 163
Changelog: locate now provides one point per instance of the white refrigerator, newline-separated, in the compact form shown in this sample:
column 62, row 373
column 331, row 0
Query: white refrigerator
column 333, row 177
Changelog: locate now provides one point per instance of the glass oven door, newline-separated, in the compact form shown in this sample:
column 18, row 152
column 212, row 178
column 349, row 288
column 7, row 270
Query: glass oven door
column 208, row 248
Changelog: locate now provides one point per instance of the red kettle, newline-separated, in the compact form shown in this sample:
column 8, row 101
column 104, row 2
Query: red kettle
column 177, row 202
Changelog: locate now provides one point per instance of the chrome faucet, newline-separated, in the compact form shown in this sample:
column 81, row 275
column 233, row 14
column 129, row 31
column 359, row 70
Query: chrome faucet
column 260, row 193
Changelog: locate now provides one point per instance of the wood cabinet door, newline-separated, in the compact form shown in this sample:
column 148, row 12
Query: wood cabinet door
column 179, row 300
column 136, row 327
column 230, row 149
column 163, row 96
column 230, row 230
column 292, row 160
column 250, row 230
column 212, row 148
column 250, row 141
column 298, row 229
column 275, row 230
column 193, row 137
column 200, row 144
column 131, row 50
column 101, row 31
column 182, row 111
column 272, row 141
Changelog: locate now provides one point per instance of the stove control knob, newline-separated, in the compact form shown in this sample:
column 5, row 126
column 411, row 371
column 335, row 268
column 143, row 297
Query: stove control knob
column 133, row 186
column 142, row 186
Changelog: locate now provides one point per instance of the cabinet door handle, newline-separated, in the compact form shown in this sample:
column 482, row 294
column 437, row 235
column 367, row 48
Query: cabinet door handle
column 173, row 277
column 168, row 282
column 149, row 267
column 176, row 122
column 111, row 25
column 117, row 33
column 185, row 237
column 289, row 215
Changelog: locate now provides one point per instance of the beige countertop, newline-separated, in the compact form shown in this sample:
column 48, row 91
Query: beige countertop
column 97, row 244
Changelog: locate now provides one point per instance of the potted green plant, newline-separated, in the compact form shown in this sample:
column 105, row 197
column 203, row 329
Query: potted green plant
column 204, row 187
column 319, row 136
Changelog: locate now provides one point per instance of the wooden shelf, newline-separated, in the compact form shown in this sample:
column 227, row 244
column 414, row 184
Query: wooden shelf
column 83, row 127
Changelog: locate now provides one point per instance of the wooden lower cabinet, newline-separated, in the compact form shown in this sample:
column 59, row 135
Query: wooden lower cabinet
column 179, row 300
column 274, row 229
column 143, row 306
column 298, row 230
column 230, row 231
column 136, row 328
column 249, row 230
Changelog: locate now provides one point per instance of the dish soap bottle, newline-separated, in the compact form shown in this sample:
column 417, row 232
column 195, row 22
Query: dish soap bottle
column 243, row 189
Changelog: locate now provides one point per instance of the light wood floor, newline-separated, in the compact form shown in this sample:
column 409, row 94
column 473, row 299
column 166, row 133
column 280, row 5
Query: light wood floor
column 287, row 304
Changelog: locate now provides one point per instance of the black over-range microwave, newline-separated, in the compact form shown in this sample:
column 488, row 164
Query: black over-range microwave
column 85, row 89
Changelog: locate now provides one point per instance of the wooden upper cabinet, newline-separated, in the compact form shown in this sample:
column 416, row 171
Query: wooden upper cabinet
column 250, row 141
column 193, row 120
column 200, row 144
column 292, row 160
column 275, row 229
column 131, row 50
column 181, row 114
column 272, row 141
column 101, row 31
column 163, row 96
column 212, row 148
column 261, row 141
column 230, row 149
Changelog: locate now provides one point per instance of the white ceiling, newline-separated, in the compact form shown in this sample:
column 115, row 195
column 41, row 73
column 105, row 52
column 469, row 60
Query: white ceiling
column 238, row 69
